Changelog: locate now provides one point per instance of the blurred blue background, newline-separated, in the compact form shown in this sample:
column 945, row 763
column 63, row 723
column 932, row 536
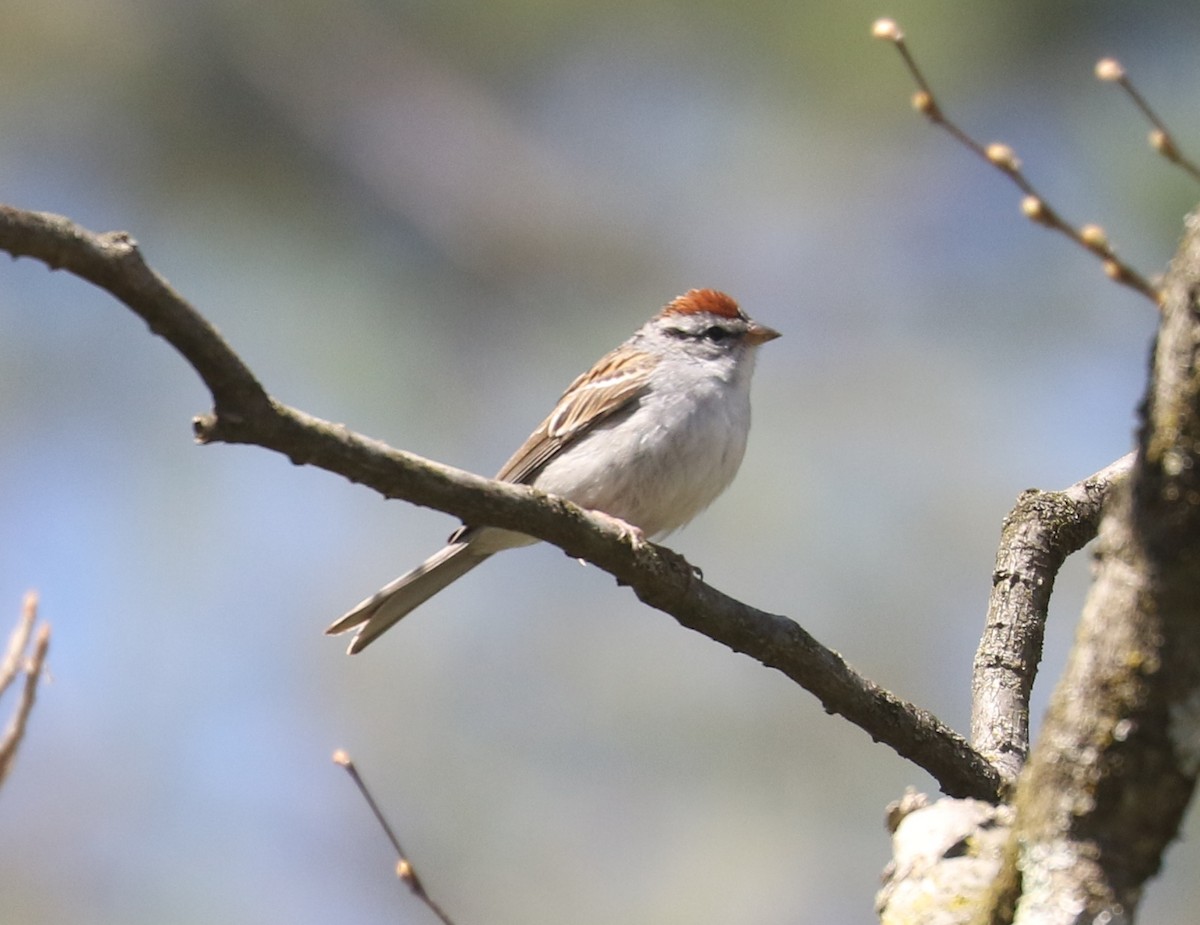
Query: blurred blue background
column 422, row 219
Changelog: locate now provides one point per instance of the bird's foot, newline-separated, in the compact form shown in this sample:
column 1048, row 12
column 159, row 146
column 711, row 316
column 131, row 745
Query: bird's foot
column 629, row 533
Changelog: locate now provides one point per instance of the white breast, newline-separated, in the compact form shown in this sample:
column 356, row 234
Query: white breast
column 662, row 463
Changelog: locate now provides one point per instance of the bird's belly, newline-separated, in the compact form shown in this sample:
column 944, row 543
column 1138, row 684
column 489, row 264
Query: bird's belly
column 650, row 469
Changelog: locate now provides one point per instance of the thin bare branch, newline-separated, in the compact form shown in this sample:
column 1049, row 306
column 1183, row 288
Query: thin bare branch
column 1037, row 536
column 33, row 665
column 1110, row 70
column 404, row 868
column 1034, row 206
column 244, row 413
column 18, row 640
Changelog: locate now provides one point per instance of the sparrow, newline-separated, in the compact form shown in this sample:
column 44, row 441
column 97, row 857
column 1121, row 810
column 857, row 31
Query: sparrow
column 650, row 435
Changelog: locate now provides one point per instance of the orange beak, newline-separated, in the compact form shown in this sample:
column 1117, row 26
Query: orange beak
column 759, row 334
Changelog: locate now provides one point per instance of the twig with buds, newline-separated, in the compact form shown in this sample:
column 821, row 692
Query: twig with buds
column 1111, row 71
column 1090, row 237
column 14, row 660
column 404, row 869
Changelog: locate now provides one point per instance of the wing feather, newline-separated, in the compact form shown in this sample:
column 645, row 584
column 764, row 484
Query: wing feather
column 605, row 389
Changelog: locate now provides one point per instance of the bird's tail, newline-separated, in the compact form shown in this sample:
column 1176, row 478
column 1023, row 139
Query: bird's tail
column 376, row 614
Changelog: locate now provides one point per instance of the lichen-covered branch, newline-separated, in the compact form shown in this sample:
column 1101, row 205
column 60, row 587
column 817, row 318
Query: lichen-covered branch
column 1116, row 764
column 1043, row 528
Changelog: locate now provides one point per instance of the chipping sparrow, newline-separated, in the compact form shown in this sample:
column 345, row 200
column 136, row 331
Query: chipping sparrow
column 650, row 435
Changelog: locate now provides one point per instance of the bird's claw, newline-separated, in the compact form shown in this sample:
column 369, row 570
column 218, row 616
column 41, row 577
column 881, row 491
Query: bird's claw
column 629, row 533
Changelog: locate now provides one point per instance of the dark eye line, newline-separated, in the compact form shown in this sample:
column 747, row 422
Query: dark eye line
column 715, row 333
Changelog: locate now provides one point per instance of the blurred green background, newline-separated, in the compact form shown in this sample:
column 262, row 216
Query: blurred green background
column 422, row 219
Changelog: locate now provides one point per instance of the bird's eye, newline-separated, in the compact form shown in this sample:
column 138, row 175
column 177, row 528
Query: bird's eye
column 716, row 333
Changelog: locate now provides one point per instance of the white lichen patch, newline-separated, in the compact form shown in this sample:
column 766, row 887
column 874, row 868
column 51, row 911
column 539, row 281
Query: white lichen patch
column 945, row 857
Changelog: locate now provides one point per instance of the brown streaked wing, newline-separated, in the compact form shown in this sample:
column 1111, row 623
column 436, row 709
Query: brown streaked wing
column 608, row 387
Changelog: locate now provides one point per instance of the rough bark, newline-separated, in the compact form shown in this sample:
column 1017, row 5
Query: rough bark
column 1109, row 780
column 1039, row 533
